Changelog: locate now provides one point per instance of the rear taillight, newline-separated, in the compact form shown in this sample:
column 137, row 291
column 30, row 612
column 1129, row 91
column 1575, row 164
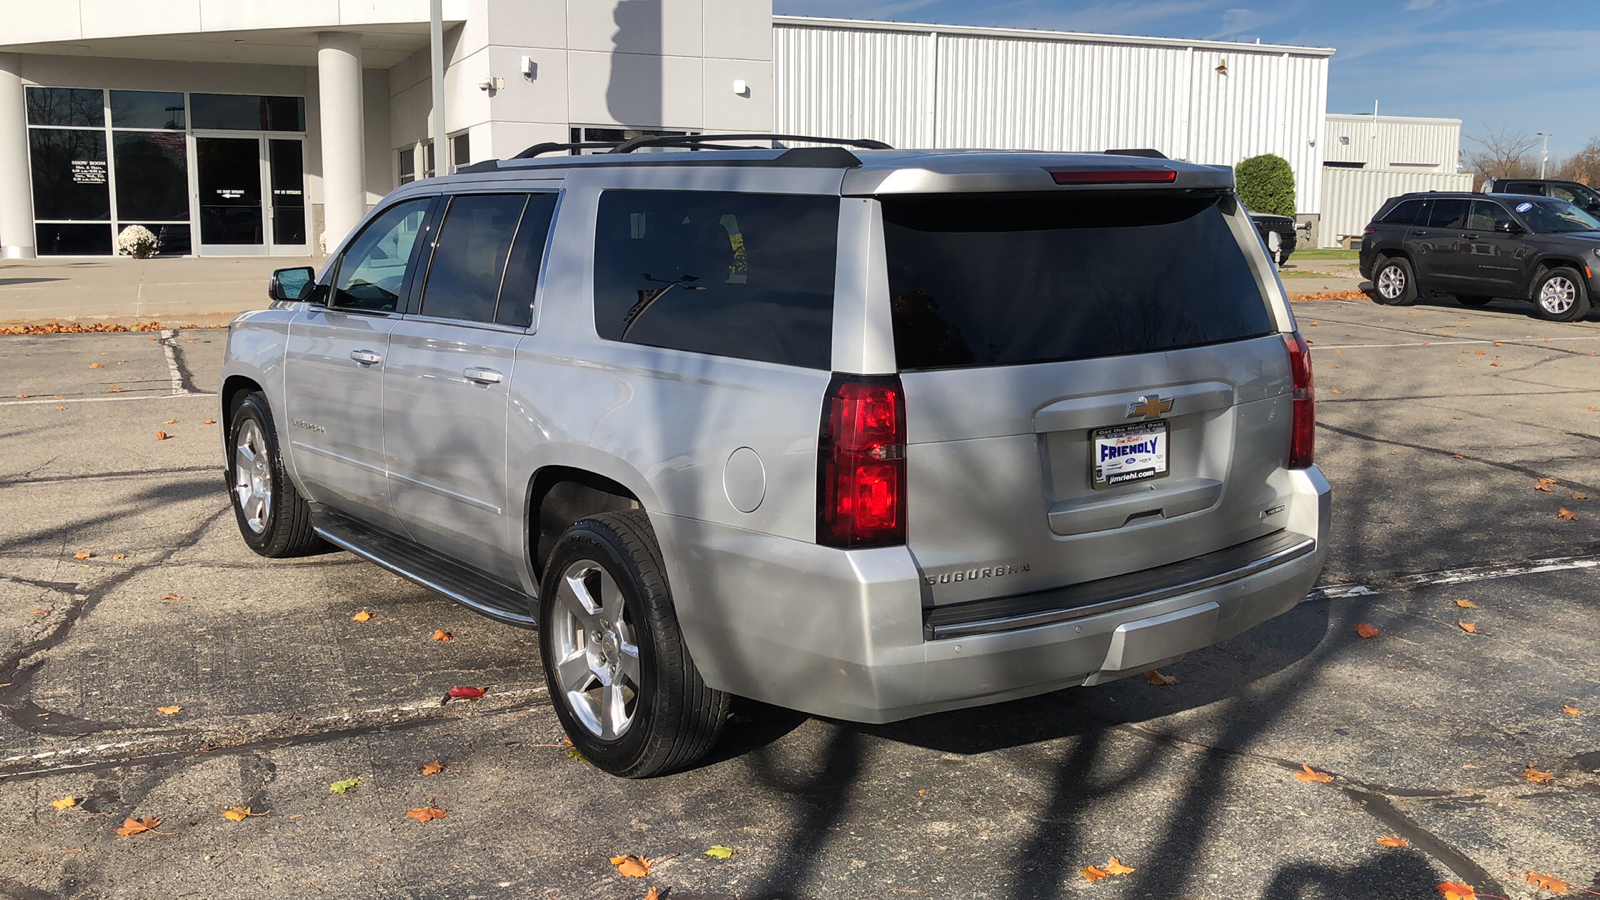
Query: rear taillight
column 861, row 454
column 1303, row 440
column 1370, row 230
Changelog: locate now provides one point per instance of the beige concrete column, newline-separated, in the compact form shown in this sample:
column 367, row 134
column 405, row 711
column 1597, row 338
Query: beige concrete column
column 16, row 192
column 344, row 195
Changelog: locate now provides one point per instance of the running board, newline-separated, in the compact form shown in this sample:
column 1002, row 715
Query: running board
column 413, row 562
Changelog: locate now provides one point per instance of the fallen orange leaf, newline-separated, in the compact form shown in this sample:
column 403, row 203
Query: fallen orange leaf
column 95, row 365
column 60, row 407
column 1536, row 776
column 1547, row 883
column 1367, row 631
column 630, row 866
column 161, row 435
column 1541, row 486
column 1093, row 874
column 1567, row 515
column 466, row 693
column 439, row 634
column 169, row 710
column 171, row 596
column 1455, row 890
column 114, row 389
column 426, row 814
column 432, row 768
column 1114, row 866
column 1468, row 627
column 1309, row 774
column 170, row 422
column 1337, row 391
column 138, row 826
column 1154, row 677
column 1390, row 840
column 362, row 616
column 82, row 555
column 1572, row 710
column 64, row 803
column 1481, row 352
column 1548, row 481
column 119, row 556
column 1579, row 495
column 209, row 422
column 1457, row 456
column 1466, row 604
column 652, row 894
column 239, row 813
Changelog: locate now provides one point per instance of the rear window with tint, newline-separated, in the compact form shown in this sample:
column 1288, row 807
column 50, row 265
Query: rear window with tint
column 1406, row 213
column 994, row 280
column 729, row 274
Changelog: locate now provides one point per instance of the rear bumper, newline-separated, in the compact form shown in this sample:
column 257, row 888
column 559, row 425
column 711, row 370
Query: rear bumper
column 841, row 634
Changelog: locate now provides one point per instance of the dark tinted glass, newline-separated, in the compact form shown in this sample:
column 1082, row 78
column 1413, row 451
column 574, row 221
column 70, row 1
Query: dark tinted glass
column 248, row 112
column 228, row 172
column 285, row 161
column 470, row 256
column 1487, row 215
column 522, row 268
column 1448, row 212
column 69, row 174
column 146, row 109
column 742, row 275
column 66, row 106
column 372, row 271
column 1405, row 213
column 56, row 239
column 989, row 280
column 152, row 176
column 1550, row 216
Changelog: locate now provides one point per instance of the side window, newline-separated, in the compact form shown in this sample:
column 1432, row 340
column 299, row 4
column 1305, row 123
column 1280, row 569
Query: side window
column 372, row 272
column 1487, row 215
column 1405, row 213
column 522, row 269
column 470, row 256
column 1448, row 212
column 1524, row 187
column 748, row 276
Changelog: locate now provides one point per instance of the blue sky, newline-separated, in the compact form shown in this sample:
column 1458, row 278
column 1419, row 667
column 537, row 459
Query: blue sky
column 1517, row 64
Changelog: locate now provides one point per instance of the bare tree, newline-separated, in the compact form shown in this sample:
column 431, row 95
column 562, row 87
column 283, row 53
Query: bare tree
column 1502, row 153
column 1582, row 166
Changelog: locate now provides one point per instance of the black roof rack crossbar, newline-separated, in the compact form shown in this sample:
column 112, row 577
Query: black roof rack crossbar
column 553, row 146
column 648, row 140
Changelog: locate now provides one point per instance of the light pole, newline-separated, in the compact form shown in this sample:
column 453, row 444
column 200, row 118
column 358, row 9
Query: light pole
column 1545, row 159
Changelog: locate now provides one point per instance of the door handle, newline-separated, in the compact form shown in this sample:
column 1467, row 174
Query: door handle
column 1470, row 237
column 366, row 357
column 482, row 375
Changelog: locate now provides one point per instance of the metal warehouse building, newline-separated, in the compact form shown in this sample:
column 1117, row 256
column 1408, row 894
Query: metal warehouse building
column 246, row 128
column 917, row 85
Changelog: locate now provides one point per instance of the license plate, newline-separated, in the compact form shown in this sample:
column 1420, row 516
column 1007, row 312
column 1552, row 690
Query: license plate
column 1122, row 454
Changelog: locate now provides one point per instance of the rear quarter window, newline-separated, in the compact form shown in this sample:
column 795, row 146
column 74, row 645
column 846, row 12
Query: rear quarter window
column 748, row 276
column 993, row 280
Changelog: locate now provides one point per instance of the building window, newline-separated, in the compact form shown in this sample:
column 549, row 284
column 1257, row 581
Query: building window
column 461, row 150
column 159, row 110
column 584, row 134
column 248, row 112
column 66, row 107
column 427, row 154
column 406, row 160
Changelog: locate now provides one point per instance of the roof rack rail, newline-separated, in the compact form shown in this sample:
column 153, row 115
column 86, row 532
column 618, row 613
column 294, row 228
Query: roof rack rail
column 553, row 146
column 650, row 140
column 1145, row 152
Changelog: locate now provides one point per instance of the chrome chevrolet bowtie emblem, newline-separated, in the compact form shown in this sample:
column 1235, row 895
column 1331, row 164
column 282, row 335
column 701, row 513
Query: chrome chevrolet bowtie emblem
column 1148, row 407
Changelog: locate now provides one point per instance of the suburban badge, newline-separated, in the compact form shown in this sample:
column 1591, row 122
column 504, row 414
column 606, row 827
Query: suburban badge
column 1148, row 407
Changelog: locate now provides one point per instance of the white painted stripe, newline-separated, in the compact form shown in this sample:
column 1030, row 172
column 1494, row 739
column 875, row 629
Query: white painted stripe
column 169, row 346
column 1340, row 591
column 1508, row 570
column 1523, row 342
column 116, row 399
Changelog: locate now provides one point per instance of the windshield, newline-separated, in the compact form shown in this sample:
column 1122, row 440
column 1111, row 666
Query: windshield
column 1546, row 216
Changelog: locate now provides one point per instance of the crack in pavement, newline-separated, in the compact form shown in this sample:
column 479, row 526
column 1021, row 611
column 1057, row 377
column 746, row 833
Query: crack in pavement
column 1509, row 467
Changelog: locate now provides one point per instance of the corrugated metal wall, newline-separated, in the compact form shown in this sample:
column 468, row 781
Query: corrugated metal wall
column 951, row 87
column 1351, row 196
column 1394, row 141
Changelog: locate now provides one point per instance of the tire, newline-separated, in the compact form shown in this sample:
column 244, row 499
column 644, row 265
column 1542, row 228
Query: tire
column 273, row 518
column 1394, row 283
column 589, row 629
column 1474, row 299
column 1559, row 296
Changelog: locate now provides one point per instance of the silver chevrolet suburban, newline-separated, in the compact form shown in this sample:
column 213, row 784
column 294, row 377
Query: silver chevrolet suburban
column 866, row 433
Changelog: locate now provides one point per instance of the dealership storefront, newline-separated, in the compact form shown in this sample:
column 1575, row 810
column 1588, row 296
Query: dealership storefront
column 205, row 173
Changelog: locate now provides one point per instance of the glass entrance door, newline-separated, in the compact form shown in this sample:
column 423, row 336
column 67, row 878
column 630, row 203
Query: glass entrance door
column 252, row 195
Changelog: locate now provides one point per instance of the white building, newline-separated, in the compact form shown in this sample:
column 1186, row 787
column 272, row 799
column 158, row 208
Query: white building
column 1368, row 159
column 239, row 127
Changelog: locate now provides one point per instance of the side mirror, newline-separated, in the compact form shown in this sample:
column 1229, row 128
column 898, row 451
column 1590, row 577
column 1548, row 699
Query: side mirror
column 291, row 284
column 1508, row 227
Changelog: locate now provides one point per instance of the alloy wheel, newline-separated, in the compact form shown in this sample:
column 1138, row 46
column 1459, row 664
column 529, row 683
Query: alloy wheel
column 252, row 476
column 1391, row 283
column 596, row 650
column 1557, row 295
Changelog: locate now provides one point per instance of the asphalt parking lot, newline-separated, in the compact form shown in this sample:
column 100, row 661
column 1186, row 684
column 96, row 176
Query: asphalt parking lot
column 1437, row 424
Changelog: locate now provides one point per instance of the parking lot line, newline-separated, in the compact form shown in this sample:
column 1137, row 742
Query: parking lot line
column 1520, row 341
column 30, row 402
column 1466, row 575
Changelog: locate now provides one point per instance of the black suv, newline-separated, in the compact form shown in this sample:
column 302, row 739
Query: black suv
column 1481, row 246
column 1580, row 195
